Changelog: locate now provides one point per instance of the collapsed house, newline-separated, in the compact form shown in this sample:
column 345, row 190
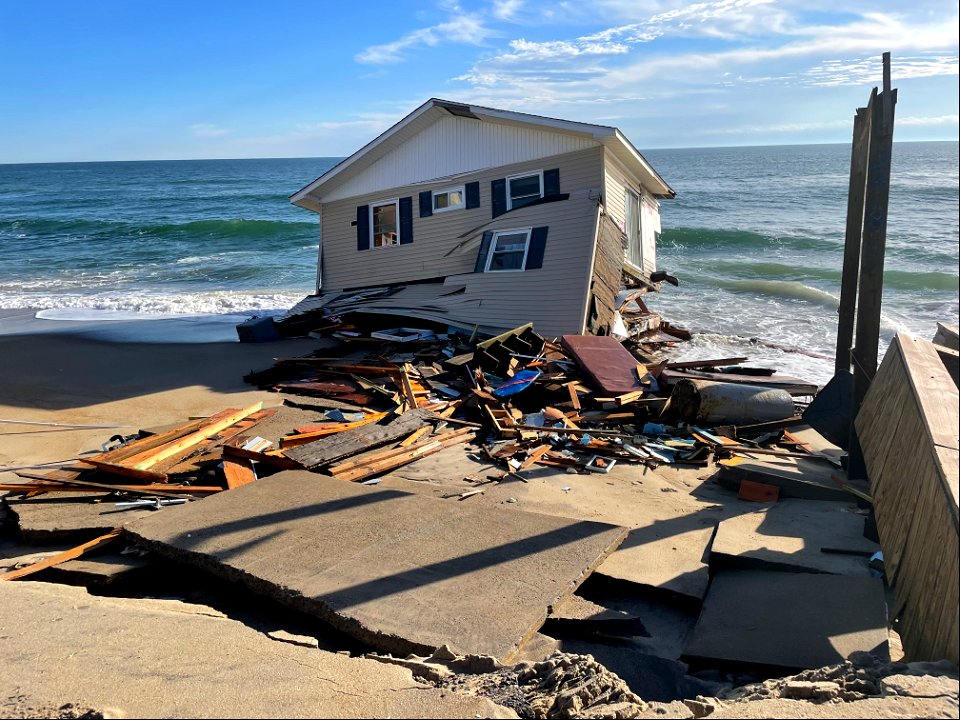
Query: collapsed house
column 484, row 219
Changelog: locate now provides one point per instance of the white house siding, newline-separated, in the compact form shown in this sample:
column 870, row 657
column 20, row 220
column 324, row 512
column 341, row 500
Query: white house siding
column 454, row 145
column 446, row 243
column 616, row 179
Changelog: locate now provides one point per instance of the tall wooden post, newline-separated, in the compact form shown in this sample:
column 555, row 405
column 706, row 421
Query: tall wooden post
column 870, row 291
column 853, row 238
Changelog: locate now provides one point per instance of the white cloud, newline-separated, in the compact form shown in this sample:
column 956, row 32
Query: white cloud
column 462, row 28
column 860, row 71
column 928, row 121
column 207, row 130
column 506, row 9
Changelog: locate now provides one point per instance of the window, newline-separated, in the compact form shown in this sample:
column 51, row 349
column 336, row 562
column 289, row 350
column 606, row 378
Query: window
column 383, row 224
column 634, row 249
column 524, row 189
column 451, row 199
column 508, row 250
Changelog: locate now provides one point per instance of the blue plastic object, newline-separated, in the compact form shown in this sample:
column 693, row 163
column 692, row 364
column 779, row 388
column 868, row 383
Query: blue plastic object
column 654, row 429
column 518, row 383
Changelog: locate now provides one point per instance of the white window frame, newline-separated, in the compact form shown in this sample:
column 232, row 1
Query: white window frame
column 630, row 193
column 493, row 246
column 446, row 191
column 538, row 173
column 396, row 203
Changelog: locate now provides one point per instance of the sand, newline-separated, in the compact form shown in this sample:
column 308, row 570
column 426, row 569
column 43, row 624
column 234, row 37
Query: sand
column 61, row 372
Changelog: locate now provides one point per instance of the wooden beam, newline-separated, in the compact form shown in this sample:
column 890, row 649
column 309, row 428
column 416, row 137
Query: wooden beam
column 73, row 487
column 70, row 554
column 139, row 489
column 195, row 438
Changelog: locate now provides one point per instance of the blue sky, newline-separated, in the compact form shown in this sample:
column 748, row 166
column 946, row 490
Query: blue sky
column 130, row 79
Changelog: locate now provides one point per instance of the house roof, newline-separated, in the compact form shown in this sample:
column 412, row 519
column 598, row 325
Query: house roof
column 435, row 109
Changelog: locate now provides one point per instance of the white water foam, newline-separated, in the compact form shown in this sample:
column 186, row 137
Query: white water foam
column 143, row 305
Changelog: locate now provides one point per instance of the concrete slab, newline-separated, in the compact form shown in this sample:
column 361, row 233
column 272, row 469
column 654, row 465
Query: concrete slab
column 164, row 658
column 670, row 556
column 810, row 535
column 796, row 477
column 789, row 620
column 67, row 517
column 671, row 526
column 402, row 572
column 97, row 571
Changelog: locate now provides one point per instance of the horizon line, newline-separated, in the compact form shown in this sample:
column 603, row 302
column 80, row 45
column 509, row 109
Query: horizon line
column 341, row 157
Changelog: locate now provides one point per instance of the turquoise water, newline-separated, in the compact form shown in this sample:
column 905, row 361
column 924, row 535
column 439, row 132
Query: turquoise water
column 755, row 237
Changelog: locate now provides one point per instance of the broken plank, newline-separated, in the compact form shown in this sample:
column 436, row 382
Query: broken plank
column 195, row 438
column 691, row 364
column 62, row 557
column 72, row 487
column 140, row 489
column 414, row 452
column 330, row 449
column 314, row 432
column 238, row 472
column 415, row 435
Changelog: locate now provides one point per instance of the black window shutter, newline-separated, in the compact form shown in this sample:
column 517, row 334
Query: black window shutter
column 473, row 195
column 406, row 220
column 498, row 191
column 363, row 227
column 551, row 182
column 426, row 203
column 481, row 264
column 538, row 245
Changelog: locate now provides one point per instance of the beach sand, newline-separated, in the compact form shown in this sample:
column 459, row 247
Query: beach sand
column 61, row 372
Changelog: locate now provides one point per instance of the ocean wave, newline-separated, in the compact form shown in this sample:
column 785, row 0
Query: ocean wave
column 898, row 279
column 209, row 303
column 733, row 240
column 112, row 229
column 781, row 289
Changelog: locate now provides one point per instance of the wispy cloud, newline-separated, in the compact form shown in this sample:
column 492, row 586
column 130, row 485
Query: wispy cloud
column 929, row 121
column 461, row 28
column 506, row 9
column 859, row 71
column 207, row 130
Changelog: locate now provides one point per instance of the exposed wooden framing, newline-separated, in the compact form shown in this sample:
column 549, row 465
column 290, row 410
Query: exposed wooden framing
column 62, row 557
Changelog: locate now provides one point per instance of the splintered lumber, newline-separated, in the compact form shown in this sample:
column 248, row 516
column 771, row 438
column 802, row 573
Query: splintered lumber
column 314, row 432
column 238, row 472
column 360, row 469
column 273, row 458
column 330, row 449
column 109, row 487
column 74, row 486
column 70, row 554
column 194, row 438
column 190, row 460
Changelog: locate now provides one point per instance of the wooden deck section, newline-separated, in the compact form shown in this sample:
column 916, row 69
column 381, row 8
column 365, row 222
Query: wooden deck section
column 908, row 427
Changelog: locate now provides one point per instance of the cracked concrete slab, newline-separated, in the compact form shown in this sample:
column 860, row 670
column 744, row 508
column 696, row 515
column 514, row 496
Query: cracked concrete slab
column 400, row 571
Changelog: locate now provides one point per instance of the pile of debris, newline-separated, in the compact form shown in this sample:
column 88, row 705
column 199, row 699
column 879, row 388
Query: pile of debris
column 301, row 503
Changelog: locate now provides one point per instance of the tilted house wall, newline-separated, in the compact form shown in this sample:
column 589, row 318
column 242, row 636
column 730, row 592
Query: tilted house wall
column 441, row 255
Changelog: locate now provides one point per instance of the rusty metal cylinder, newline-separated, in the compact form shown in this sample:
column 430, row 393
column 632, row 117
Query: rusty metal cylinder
column 719, row 403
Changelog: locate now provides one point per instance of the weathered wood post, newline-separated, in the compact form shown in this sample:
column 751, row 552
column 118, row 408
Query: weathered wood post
column 870, row 290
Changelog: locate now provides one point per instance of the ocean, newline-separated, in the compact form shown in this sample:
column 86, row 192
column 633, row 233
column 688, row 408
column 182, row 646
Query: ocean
column 755, row 237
